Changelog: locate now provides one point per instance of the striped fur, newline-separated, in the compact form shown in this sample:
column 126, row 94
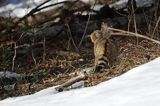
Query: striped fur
column 104, row 51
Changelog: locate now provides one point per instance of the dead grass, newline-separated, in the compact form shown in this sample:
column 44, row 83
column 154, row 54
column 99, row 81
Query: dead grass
column 131, row 55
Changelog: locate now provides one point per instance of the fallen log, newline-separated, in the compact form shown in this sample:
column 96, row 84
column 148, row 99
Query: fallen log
column 70, row 82
column 80, row 76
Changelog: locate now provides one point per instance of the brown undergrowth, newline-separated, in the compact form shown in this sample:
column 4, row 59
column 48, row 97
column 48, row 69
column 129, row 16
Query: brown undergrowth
column 60, row 63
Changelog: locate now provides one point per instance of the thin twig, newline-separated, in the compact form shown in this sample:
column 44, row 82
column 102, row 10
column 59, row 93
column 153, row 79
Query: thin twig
column 70, row 34
column 156, row 26
column 134, row 20
column 32, row 11
column 35, row 62
column 33, row 53
column 52, row 5
column 14, row 57
column 129, row 22
column 85, row 30
column 127, row 33
column 44, row 47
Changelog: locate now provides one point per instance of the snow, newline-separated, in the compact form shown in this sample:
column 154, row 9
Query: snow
column 122, row 3
column 19, row 8
column 9, row 74
column 138, row 87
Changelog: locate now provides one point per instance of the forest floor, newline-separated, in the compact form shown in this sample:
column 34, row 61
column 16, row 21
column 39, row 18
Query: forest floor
column 60, row 63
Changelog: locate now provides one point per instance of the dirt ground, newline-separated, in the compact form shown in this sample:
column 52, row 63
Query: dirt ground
column 61, row 62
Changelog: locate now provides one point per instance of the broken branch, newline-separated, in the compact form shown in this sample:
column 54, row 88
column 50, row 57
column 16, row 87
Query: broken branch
column 80, row 77
column 127, row 33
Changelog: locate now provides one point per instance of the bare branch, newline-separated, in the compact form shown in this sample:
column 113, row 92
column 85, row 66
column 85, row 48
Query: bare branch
column 127, row 33
column 80, row 77
column 156, row 26
column 14, row 57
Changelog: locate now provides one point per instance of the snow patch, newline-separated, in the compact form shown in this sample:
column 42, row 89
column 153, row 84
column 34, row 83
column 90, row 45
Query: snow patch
column 8, row 74
column 19, row 8
column 138, row 87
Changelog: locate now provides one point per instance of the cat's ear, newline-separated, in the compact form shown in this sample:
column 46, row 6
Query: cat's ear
column 95, row 35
